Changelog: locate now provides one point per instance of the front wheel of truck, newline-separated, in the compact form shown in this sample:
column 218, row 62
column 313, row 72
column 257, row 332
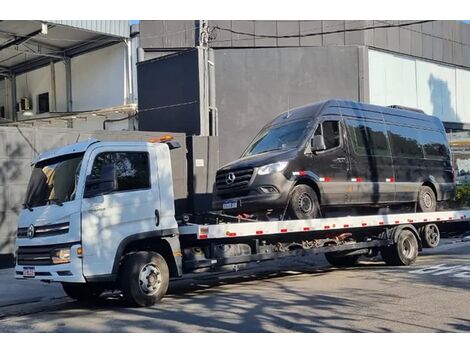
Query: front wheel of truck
column 82, row 292
column 144, row 278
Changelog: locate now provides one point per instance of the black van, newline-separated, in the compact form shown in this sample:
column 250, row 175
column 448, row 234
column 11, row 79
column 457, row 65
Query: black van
column 339, row 153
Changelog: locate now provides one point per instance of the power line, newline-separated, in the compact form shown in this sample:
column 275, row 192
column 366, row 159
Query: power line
column 319, row 33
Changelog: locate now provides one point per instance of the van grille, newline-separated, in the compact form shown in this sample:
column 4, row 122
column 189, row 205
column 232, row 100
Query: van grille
column 35, row 255
column 242, row 178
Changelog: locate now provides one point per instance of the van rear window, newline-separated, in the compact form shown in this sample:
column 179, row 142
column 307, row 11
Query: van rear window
column 368, row 138
column 434, row 144
column 404, row 141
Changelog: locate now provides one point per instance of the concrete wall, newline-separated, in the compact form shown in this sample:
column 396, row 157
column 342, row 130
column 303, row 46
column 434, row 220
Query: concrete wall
column 19, row 145
column 438, row 89
column 255, row 85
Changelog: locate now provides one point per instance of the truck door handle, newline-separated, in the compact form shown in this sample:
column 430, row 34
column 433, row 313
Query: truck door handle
column 340, row 160
column 157, row 217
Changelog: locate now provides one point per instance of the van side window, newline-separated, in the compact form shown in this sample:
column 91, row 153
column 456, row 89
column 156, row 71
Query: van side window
column 330, row 132
column 434, row 144
column 368, row 138
column 404, row 141
column 132, row 169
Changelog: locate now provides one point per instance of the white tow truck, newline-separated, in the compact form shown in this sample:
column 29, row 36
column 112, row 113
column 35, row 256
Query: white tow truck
column 100, row 216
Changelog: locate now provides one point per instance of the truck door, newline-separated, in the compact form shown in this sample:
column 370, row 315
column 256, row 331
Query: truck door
column 332, row 164
column 372, row 173
column 130, row 209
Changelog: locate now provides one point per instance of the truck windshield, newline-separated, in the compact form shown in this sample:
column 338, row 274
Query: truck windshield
column 286, row 136
column 53, row 181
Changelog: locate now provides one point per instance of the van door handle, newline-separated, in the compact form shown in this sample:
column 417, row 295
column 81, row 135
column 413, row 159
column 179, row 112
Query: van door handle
column 157, row 217
column 340, row 160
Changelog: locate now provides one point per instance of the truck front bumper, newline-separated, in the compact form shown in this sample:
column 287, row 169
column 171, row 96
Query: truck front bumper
column 69, row 272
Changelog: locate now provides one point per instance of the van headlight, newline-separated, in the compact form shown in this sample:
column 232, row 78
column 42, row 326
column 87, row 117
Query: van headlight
column 60, row 256
column 272, row 168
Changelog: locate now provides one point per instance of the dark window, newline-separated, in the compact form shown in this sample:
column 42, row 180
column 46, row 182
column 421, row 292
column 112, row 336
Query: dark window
column 368, row 138
column 434, row 144
column 330, row 132
column 2, row 112
column 43, row 103
column 132, row 169
column 404, row 141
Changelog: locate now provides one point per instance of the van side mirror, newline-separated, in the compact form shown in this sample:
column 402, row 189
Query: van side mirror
column 317, row 143
column 106, row 183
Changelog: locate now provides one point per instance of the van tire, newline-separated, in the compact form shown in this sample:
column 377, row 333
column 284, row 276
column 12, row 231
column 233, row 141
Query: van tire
column 341, row 261
column 426, row 200
column 144, row 278
column 403, row 252
column 82, row 292
column 303, row 203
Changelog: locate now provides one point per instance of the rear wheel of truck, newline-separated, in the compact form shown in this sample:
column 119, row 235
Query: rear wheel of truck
column 426, row 199
column 430, row 236
column 82, row 292
column 341, row 260
column 303, row 203
column 144, row 278
column 403, row 252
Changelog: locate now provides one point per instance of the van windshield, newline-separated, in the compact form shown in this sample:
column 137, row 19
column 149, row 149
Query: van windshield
column 53, row 181
column 284, row 137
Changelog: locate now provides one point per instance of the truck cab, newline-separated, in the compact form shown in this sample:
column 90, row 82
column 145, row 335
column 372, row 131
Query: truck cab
column 88, row 204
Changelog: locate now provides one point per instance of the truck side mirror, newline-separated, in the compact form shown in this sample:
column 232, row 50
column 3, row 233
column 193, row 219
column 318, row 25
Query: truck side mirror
column 106, row 183
column 317, row 143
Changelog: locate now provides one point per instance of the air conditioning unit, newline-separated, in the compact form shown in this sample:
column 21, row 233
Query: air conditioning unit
column 24, row 105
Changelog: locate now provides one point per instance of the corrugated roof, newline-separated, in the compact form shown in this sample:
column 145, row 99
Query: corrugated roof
column 119, row 28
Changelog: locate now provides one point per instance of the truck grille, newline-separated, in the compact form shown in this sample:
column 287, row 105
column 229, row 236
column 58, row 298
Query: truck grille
column 46, row 230
column 230, row 179
column 35, row 255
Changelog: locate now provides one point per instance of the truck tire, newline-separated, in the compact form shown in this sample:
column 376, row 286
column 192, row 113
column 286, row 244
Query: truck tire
column 82, row 292
column 341, row 260
column 144, row 278
column 430, row 236
column 303, row 203
column 403, row 252
column 426, row 200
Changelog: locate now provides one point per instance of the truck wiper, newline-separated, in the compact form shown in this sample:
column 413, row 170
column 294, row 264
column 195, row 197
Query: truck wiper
column 28, row 206
column 55, row 201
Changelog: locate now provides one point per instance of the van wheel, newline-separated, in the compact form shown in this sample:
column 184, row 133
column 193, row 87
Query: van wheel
column 82, row 292
column 426, row 199
column 430, row 236
column 303, row 203
column 341, row 261
column 403, row 252
column 144, row 278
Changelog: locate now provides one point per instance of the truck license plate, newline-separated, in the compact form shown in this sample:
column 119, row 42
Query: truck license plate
column 230, row 204
column 29, row 272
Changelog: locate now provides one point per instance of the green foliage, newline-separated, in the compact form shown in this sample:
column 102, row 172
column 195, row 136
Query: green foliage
column 462, row 196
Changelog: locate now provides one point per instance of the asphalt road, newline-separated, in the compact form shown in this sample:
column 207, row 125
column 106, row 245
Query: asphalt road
column 433, row 295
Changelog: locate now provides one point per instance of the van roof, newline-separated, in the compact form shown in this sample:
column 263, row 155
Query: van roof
column 356, row 110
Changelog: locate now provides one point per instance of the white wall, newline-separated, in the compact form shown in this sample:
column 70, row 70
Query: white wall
column 439, row 90
column 98, row 78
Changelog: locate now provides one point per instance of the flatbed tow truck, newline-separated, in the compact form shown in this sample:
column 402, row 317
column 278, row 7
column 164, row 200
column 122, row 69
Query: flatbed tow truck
column 117, row 229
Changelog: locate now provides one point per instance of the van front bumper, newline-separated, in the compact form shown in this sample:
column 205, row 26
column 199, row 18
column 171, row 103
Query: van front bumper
column 68, row 272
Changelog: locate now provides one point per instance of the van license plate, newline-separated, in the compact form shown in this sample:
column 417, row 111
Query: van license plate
column 230, row 204
column 29, row 272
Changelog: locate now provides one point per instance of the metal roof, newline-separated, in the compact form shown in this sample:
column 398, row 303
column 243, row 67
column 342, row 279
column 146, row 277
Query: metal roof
column 25, row 46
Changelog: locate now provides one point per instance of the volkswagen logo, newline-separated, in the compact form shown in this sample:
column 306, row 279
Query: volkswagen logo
column 30, row 232
column 230, row 178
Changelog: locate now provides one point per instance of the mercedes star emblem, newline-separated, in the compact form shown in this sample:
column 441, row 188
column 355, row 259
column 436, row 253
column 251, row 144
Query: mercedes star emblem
column 230, row 178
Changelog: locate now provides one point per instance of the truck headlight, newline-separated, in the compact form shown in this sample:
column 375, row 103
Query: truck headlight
column 272, row 168
column 61, row 256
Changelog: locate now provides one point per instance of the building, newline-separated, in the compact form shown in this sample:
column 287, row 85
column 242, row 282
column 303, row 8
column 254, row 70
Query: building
column 253, row 70
column 74, row 74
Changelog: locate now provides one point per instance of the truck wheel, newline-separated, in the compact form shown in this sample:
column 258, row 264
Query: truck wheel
column 341, row 261
column 403, row 252
column 426, row 199
column 144, row 278
column 303, row 203
column 430, row 236
column 82, row 292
